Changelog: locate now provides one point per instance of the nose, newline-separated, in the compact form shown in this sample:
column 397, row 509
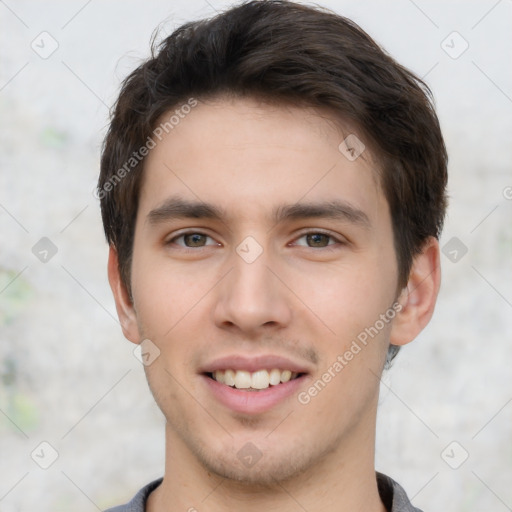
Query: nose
column 252, row 299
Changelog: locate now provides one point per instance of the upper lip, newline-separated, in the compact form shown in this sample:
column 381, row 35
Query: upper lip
column 253, row 363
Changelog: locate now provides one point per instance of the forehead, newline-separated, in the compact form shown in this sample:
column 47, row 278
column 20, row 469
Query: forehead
column 246, row 155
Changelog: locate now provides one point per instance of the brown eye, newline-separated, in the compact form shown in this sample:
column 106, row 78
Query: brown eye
column 195, row 240
column 317, row 240
column 192, row 239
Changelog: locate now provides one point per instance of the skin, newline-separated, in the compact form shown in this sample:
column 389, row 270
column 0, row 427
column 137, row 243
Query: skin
column 306, row 298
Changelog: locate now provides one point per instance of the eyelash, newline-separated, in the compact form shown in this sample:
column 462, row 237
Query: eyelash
column 184, row 234
column 328, row 247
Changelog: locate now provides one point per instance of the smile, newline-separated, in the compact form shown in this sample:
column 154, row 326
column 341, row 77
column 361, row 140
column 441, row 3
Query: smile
column 253, row 381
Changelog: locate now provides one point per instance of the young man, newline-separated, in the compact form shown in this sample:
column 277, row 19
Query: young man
column 272, row 189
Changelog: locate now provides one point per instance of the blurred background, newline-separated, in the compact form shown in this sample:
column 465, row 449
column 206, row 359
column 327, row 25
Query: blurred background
column 78, row 428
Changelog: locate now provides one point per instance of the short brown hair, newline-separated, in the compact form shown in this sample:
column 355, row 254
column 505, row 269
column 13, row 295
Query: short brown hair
column 287, row 53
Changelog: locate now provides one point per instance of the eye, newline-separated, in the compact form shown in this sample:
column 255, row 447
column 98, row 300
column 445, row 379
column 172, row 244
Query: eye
column 316, row 240
column 192, row 239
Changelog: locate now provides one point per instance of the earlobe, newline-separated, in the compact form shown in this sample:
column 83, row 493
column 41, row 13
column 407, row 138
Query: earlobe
column 419, row 297
column 125, row 310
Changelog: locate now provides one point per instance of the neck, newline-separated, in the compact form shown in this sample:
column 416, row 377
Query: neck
column 341, row 481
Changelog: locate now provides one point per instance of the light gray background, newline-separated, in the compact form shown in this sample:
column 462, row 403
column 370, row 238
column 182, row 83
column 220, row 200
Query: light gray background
column 68, row 377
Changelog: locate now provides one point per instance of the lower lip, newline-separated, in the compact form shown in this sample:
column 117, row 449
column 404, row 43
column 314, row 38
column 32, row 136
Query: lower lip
column 253, row 402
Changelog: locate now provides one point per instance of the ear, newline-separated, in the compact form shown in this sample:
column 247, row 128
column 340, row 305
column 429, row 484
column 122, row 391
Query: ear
column 124, row 306
column 418, row 298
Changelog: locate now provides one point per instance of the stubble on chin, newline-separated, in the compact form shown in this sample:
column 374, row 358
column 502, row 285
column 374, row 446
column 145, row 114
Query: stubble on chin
column 277, row 465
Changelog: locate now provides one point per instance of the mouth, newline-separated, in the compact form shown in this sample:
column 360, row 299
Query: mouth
column 253, row 384
column 258, row 380
column 253, row 393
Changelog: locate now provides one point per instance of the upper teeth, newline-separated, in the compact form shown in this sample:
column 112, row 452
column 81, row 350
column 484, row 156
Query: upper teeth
column 260, row 379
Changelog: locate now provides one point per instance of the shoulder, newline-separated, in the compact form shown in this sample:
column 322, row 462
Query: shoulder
column 138, row 502
column 393, row 495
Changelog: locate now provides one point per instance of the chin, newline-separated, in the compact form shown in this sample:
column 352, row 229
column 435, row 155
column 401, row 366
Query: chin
column 273, row 466
column 263, row 474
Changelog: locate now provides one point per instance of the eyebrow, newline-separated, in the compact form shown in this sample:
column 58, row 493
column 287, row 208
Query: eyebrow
column 335, row 209
column 178, row 208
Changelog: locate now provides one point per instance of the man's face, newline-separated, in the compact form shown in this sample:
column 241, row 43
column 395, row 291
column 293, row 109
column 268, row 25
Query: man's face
column 260, row 246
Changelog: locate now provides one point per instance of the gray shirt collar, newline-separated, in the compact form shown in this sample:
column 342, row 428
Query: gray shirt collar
column 391, row 493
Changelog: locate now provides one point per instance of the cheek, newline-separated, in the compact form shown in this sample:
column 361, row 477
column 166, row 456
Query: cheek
column 167, row 293
column 346, row 298
column 350, row 304
column 169, row 313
